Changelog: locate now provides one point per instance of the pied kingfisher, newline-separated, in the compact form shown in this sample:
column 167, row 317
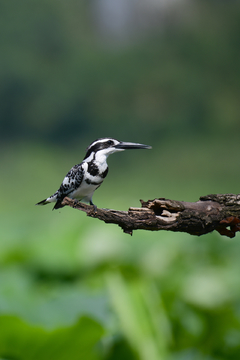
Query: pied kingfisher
column 83, row 179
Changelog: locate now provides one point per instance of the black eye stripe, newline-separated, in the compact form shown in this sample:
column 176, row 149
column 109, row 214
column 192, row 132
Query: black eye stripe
column 99, row 146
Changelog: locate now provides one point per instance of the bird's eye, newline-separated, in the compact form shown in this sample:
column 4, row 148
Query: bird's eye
column 109, row 142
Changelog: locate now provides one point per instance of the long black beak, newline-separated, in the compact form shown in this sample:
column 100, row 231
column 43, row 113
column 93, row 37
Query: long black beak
column 129, row 145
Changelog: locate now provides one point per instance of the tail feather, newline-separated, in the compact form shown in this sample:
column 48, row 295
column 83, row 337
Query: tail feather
column 58, row 205
column 43, row 202
column 51, row 199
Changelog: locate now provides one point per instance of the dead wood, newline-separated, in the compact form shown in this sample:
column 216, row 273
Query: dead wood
column 219, row 212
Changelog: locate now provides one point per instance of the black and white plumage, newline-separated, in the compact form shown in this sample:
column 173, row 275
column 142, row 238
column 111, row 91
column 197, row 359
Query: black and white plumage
column 83, row 179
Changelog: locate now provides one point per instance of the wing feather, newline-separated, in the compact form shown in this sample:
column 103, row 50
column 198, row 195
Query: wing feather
column 71, row 182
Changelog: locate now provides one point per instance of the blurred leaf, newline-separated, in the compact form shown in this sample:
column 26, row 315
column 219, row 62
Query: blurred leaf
column 141, row 315
column 49, row 303
column 19, row 340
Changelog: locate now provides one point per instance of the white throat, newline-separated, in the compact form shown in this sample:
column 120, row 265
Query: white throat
column 101, row 157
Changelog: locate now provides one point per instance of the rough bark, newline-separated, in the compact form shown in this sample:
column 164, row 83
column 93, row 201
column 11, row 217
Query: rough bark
column 219, row 212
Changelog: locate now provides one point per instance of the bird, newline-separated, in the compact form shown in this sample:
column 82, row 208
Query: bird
column 84, row 178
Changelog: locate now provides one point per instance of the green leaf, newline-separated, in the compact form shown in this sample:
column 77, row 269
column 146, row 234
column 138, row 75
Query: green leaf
column 20, row 340
column 141, row 314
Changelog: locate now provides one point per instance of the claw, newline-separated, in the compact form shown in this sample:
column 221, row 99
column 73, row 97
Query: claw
column 94, row 206
column 75, row 202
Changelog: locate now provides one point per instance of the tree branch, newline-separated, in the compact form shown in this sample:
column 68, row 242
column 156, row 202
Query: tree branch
column 219, row 212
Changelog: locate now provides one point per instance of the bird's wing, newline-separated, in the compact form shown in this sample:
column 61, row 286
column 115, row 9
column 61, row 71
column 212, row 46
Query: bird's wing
column 71, row 182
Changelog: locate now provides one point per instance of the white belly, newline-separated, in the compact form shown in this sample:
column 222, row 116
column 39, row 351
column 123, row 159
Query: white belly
column 84, row 192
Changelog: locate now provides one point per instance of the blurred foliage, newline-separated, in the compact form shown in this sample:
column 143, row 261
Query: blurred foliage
column 70, row 286
column 21, row 341
column 56, row 75
column 71, row 282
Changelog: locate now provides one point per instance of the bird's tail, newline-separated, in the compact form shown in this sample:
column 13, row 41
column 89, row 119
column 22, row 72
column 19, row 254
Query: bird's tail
column 48, row 200
column 43, row 202
column 58, row 205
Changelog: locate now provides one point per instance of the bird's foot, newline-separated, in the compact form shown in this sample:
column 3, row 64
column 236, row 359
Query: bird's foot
column 94, row 206
column 75, row 202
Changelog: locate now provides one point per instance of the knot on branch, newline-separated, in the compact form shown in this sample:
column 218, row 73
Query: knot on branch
column 161, row 204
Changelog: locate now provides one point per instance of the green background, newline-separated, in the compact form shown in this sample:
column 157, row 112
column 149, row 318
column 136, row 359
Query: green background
column 72, row 287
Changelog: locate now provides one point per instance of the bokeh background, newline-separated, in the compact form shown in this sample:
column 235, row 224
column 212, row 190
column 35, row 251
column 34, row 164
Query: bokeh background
column 163, row 73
